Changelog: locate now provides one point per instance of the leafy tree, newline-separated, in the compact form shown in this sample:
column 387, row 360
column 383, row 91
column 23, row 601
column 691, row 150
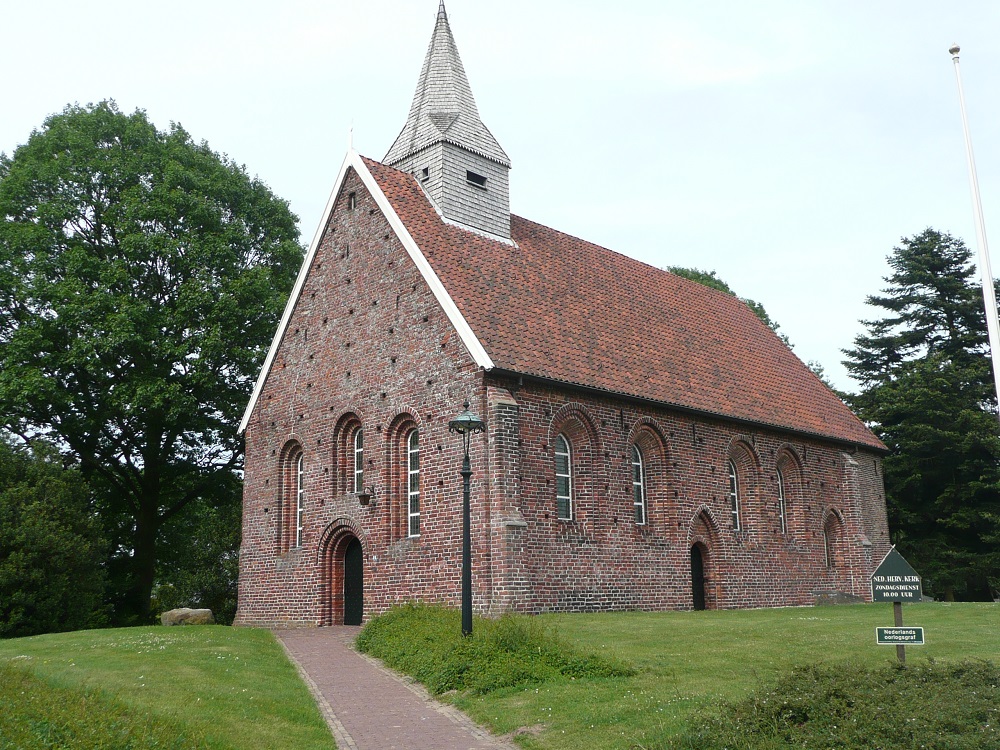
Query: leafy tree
column 141, row 278
column 712, row 281
column 51, row 578
column 927, row 392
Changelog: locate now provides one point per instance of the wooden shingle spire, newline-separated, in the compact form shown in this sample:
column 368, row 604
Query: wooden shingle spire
column 446, row 145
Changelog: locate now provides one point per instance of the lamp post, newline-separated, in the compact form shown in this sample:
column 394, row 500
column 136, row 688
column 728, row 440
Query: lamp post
column 466, row 424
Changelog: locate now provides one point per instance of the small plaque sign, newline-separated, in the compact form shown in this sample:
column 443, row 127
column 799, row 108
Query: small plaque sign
column 895, row 581
column 901, row 636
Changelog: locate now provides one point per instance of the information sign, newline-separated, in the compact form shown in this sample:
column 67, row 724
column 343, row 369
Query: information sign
column 895, row 581
column 899, row 636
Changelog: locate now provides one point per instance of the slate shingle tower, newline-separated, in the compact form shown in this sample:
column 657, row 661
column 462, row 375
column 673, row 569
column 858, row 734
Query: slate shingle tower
column 447, row 147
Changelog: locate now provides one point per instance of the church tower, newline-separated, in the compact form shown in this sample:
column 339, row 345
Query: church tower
column 448, row 148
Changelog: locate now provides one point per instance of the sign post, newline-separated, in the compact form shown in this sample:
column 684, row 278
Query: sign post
column 895, row 581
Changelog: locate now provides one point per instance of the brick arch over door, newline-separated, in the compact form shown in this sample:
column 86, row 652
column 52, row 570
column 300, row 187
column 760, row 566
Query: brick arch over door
column 703, row 535
column 330, row 559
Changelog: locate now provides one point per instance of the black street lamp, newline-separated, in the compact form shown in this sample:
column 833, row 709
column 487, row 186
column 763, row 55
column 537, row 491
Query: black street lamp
column 466, row 424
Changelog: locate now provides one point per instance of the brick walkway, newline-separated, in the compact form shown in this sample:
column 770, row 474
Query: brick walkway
column 370, row 707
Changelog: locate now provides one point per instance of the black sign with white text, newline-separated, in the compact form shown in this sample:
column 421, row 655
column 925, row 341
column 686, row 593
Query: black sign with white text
column 895, row 581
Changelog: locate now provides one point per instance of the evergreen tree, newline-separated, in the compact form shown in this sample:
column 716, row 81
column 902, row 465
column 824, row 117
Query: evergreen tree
column 927, row 392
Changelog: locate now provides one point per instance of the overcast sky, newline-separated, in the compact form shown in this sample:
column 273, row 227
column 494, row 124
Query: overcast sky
column 786, row 145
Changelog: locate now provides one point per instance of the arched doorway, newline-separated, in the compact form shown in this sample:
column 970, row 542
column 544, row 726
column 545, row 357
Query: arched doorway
column 354, row 583
column 341, row 559
column 697, row 577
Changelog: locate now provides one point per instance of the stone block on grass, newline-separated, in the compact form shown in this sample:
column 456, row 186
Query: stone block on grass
column 187, row 616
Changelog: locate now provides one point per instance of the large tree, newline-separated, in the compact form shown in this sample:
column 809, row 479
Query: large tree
column 141, row 278
column 927, row 391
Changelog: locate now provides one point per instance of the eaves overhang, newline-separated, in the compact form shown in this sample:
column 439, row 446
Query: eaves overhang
column 753, row 424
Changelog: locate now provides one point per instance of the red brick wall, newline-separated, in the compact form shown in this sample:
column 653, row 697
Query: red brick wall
column 369, row 344
column 367, row 339
column 604, row 560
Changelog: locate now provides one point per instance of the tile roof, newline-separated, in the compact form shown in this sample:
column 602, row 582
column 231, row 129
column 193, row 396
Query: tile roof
column 560, row 308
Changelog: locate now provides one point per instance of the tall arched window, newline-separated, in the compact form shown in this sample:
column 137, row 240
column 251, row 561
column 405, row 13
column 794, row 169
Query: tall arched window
column 359, row 460
column 300, row 496
column 638, row 485
column 734, row 494
column 413, row 483
column 832, row 530
column 790, row 499
column 290, row 511
column 782, row 509
column 564, row 479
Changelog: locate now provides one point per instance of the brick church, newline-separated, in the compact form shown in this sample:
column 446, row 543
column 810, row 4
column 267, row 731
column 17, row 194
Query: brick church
column 650, row 444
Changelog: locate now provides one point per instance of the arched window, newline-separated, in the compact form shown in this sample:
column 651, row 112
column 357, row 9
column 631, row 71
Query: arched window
column 832, row 529
column 348, row 455
column 788, row 473
column 300, row 496
column 734, row 494
column 413, row 483
column 359, row 460
column 291, row 505
column 638, row 485
column 782, row 509
column 564, row 479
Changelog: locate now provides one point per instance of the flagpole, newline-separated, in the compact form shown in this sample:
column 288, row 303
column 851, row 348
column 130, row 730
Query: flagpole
column 989, row 293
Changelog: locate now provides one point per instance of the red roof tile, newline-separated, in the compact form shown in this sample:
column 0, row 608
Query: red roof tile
column 561, row 308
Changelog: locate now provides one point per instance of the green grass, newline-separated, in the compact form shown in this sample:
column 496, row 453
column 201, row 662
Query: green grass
column 38, row 715
column 687, row 661
column 225, row 688
column 218, row 687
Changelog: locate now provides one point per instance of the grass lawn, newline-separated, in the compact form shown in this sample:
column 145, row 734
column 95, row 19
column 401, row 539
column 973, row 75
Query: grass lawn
column 687, row 660
column 234, row 687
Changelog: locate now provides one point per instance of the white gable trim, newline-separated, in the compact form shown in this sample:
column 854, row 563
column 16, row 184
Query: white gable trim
column 461, row 325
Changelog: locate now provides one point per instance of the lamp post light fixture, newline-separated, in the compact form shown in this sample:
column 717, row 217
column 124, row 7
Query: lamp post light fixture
column 466, row 424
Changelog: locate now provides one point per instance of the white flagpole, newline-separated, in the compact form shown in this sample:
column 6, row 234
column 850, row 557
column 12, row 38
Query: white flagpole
column 989, row 295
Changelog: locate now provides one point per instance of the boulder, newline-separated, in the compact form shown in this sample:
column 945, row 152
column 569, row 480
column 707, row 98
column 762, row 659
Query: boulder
column 186, row 616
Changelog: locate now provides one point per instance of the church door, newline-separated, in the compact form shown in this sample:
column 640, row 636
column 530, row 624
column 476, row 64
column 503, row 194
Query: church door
column 354, row 583
column 697, row 577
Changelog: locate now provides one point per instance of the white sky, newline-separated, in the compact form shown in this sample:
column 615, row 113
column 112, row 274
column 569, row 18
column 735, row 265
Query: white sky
column 787, row 145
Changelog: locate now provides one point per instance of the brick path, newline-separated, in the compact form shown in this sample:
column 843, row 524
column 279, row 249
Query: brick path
column 370, row 707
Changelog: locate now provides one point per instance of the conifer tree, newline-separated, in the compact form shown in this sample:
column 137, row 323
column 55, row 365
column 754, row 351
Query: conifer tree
column 927, row 392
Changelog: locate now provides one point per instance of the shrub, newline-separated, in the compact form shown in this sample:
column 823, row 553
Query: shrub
column 426, row 643
column 846, row 706
column 51, row 578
